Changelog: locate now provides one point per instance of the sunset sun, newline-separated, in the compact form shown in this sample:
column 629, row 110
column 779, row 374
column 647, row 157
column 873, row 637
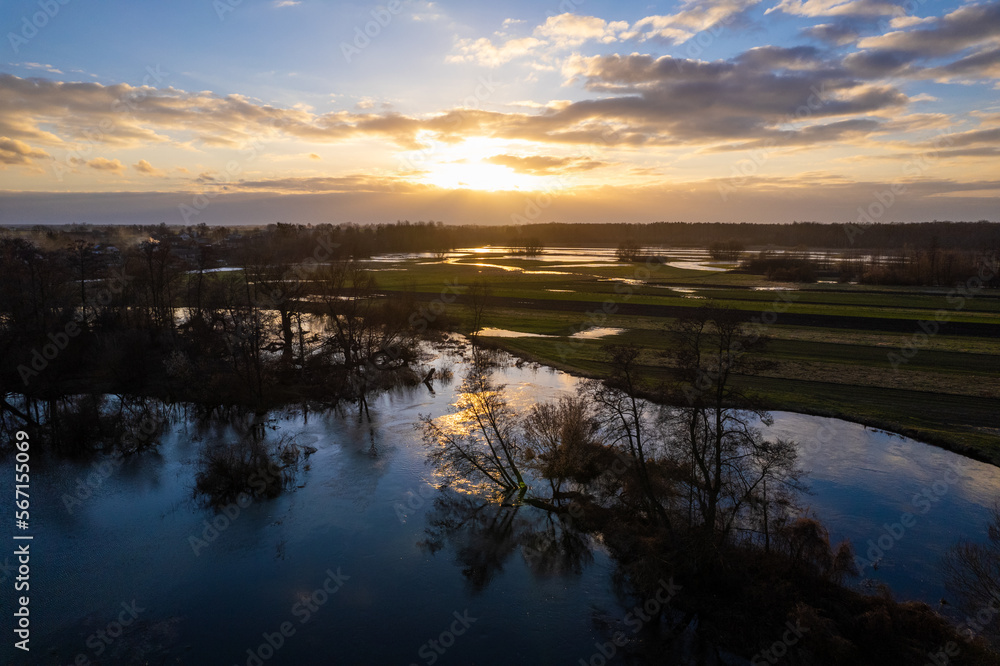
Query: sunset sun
column 477, row 163
column 480, row 176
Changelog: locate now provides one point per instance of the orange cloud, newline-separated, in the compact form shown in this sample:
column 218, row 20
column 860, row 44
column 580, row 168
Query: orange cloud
column 104, row 164
column 144, row 167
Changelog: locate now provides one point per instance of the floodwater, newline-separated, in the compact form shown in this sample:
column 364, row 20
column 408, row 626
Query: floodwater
column 364, row 518
column 864, row 480
column 588, row 334
column 570, row 257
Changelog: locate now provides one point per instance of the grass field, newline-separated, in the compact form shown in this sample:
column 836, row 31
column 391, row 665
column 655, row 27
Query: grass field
column 835, row 350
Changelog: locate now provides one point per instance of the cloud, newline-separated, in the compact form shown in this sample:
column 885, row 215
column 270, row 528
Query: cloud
column 279, row 4
column 670, row 101
column 787, row 95
column 348, row 184
column 104, row 164
column 37, row 65
column 314, row 156
column 982, row 65
column 879, row 64
column 900, row 22
column 841, row 130
column 965, row 27
column 423, row 11
column 764, row 58
column 837, row 33
column 558, row 33
column 19, row 153
column 567, row 31
column 814, row 8
column 65, row 114
column 937, row 153
column 144, row 167
column 59, row 114
column 694, row 17
column 971, row 32
column 545, row 165
column 485, row 52
column 977, row 137
column 570, row 30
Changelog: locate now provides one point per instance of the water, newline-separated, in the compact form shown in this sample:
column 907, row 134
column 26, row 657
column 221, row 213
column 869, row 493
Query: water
column 571, row 257
column 588, row 334
column 364, row 505
column 690, row 258
column 864, row 479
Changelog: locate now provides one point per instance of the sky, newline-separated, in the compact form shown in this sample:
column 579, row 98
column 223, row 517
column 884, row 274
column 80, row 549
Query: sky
column 310, row 111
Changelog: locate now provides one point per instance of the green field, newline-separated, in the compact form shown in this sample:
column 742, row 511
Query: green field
column 831, row 350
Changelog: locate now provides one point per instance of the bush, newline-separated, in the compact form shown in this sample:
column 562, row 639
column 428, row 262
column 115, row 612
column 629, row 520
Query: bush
column 781, row 268
column 252, row 466
column 731, row 250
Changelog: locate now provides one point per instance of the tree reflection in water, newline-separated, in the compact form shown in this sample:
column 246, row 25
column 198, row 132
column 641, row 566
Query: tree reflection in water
column 484, row 535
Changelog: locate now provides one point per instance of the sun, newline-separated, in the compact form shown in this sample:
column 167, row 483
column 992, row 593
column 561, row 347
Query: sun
column 479, row 176
column 465, row 165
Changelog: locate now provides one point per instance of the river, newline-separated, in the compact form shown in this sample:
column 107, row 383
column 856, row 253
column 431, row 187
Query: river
column 361, row 519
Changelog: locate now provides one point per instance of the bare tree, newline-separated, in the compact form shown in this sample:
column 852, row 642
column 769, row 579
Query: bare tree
column 196, row 286
column 483, row 443
column 731, row 250
column 531, row 246
column 85, row 268
column 562, row 437
column 480, row 297
column 366, row 336
column 628, row 251
column 730, row 470
column 972, row 575
column 246, row 334
column 626, row 425
column 156, row 270
column 274, row 288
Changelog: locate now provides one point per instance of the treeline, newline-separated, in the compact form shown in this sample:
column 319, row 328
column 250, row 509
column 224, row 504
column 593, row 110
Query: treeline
column 982, row 235
column 405, row 236
column 154, row 319
column 908, row 266
column 930, row 266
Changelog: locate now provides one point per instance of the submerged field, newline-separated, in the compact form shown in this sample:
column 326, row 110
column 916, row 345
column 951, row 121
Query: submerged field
column 853, row 351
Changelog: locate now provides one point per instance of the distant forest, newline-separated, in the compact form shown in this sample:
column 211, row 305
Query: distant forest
column 980, row 235
column 404, row 236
